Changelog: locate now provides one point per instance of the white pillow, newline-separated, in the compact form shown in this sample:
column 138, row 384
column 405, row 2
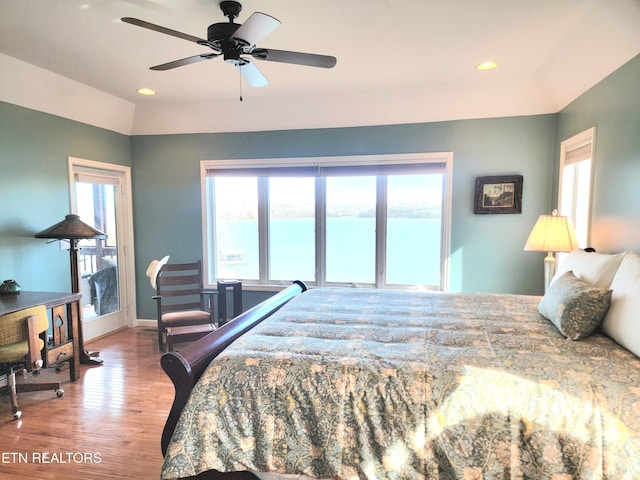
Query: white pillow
column 597, row 269
column 622, row 321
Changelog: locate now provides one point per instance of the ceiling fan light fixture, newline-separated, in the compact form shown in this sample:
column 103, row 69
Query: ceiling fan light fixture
column 488, row 65
column 232, row 40
column 146, row 91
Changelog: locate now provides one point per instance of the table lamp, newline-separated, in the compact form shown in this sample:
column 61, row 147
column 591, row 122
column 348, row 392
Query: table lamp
column 73, row 229
column 551, row 233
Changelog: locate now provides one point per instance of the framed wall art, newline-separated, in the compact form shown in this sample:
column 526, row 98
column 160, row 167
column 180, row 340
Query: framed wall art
column 498, row 194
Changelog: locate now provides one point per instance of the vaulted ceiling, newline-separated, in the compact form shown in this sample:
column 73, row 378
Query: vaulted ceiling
column 398, row 61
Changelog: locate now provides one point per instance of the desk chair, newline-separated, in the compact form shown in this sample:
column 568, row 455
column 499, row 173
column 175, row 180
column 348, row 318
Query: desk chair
column 21, row 347
column 180, row 298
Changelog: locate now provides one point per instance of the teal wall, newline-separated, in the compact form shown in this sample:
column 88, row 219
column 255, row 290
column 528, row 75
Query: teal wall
column 486, row 250
column 34, row 189
column 613, row 107
column 487, row 253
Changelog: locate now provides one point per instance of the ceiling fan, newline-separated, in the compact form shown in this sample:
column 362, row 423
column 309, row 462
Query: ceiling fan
column 233, row 41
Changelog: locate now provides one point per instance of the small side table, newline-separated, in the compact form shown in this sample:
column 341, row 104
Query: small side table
column 236, row 287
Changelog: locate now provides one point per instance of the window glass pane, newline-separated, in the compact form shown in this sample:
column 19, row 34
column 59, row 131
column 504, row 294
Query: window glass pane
column 583, row 196
column 98, row 260
column 110, row 214
column 97, row 208
column 414, row 226
column 575, row 197
column 568, row 192
column 351, row 225
column 292, row 228
column 84, row 194
column 236, row 227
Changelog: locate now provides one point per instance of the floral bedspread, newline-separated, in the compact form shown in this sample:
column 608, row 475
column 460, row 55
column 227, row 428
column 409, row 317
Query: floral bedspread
column 355, row 383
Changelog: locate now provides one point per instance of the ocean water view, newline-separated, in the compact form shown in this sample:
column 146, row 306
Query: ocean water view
column 413, row 250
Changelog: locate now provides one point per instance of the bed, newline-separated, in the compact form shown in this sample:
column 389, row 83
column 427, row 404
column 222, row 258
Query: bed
column 357, row 383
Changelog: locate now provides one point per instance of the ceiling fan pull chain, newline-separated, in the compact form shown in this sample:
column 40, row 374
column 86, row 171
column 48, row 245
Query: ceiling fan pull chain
column 240, row 78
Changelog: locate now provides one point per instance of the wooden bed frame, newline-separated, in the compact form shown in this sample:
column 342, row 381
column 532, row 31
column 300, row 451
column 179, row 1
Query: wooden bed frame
column 185, row 367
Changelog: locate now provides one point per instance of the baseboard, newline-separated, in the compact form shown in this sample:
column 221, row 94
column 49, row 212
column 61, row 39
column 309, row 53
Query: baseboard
column 87, row 342
column 142, row 322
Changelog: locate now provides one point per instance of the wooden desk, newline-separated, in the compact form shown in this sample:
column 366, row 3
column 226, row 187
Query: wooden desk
column 66, row 342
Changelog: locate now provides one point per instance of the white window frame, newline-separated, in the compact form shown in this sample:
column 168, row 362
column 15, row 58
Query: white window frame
column 445, row 158
column 580, row 147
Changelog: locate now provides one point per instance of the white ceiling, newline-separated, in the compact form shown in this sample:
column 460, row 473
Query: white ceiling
column 398, row 60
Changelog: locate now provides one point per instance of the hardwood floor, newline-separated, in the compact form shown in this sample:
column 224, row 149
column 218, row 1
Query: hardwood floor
column 107, row 425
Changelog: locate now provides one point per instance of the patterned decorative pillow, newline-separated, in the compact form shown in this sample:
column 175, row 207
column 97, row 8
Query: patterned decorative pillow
column 574, row 307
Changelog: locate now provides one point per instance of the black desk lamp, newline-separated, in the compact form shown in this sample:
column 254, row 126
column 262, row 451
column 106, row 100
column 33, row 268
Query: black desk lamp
column 73, row 229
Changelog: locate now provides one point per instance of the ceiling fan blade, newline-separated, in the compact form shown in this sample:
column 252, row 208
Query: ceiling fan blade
column 252, row 75
column 168, row 31
column 185, row 61
column 298, row 58
column 257, row 26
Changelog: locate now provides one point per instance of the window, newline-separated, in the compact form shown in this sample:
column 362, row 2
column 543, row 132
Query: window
column 412, row 206
column 235, row 209
column 291, row 227
column 351, row 229
column 574, row 193
column 378, row 221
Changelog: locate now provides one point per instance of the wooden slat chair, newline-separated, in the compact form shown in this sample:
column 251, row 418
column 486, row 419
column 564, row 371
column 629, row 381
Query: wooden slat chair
column 180, row 298
column 21, row 345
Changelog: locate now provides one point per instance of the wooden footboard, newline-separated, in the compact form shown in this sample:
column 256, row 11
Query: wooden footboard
column 185, row 367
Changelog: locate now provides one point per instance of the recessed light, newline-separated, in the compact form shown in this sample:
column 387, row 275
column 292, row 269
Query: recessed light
column 489, row 65
column 146, row 91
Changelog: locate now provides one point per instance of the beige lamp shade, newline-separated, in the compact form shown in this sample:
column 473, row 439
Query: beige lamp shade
column 552, row 233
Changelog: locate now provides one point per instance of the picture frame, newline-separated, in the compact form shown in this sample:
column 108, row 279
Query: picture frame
column 498, row 194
